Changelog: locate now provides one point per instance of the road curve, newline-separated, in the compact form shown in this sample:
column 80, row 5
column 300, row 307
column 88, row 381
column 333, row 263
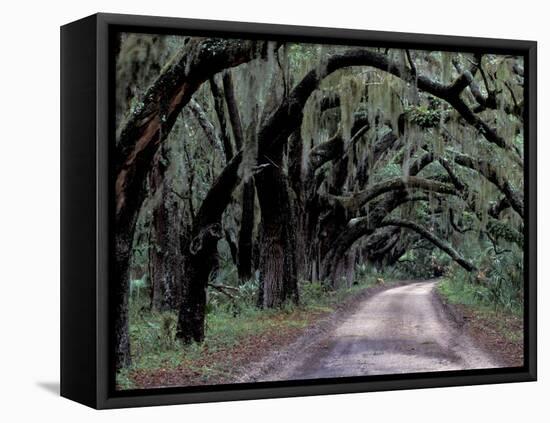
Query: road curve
column 399, row 330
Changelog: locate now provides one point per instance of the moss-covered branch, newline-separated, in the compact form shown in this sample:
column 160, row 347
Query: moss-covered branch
column 430, row 236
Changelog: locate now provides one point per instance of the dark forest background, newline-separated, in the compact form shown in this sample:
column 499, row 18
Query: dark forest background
column 254, row 176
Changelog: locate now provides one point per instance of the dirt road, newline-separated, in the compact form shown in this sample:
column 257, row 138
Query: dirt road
column 403, row 329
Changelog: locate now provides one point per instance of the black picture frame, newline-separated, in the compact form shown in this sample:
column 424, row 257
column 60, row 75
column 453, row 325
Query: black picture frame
column 86, row 128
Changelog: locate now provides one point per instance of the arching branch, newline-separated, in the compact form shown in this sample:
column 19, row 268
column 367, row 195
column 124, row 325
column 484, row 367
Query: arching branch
column 495, row 228
column 325, row 152
column 151, row 121
column 364, row 226
column 358, row 200
column 334, row 148
column 430, row 236
column 486, row 169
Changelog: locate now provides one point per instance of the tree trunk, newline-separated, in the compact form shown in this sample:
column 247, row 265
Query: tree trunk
column 166, row 256
column 200, row 255
column 300, row 197
column 200, row 258
column 244, row 265
column 278, row 276
column 217, row 93
column 165, row 267
column 119, row 293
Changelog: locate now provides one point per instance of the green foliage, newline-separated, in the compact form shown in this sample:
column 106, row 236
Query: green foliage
column 315, row 292
column 152, row 333
column 362, row 272
column 424, row 116
column 496, row 287
column 500, row 230
column 235, row 300
column 479, row 299
column 502, row 275
column 424, row 263
column 459, row 289
column 235, row 294
column 389, row 171
column 123, row 379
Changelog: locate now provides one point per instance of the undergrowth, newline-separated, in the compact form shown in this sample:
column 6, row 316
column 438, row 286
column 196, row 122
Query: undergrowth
column 491, row 305
column 495, row 294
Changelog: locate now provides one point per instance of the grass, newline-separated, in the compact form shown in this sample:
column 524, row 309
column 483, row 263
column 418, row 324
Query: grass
column 236, row 333
column 459, row 291
column 503, row 319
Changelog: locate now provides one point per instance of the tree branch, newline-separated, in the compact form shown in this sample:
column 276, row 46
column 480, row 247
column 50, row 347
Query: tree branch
column 223, row 289
column 429, row 235
column 233, row 109
column 208, row 128
column 217, row 93
column 514, row 197
column 358, row 200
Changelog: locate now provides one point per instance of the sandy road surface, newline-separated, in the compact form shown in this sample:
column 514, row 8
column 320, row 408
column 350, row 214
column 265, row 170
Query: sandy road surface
column 399, row 330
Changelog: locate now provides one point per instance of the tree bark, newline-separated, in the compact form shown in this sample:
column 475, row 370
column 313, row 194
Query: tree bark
column 278, row 272
column 217, row 93
column 200, row 258
column 233, row 109
column 244, row 260
column 167, row 263
column 119, row 294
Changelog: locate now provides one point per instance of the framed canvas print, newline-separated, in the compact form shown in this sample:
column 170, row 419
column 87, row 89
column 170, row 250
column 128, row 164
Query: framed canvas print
column 254, row 211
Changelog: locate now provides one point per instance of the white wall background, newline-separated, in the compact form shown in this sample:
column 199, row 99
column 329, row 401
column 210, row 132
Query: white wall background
column 29, row 193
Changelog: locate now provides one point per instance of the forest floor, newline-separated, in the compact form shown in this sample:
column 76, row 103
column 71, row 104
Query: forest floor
column 395, row 327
